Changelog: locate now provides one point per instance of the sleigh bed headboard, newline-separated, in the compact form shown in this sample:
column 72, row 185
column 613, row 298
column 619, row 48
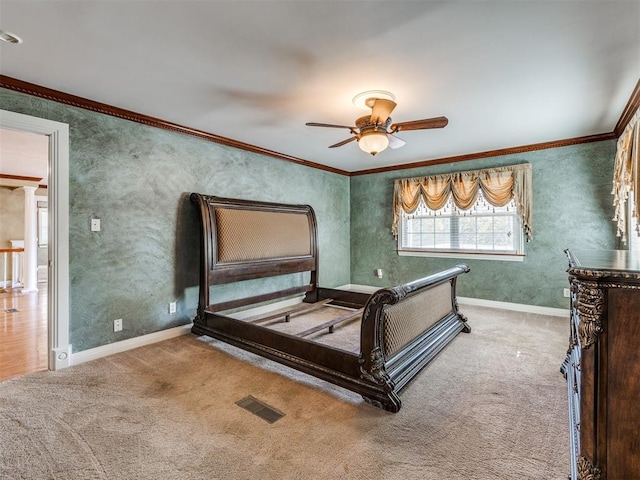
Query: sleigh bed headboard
column 244, row 240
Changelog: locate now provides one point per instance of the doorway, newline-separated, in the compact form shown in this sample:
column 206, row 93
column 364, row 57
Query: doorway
column 24, row 165
column 56, row 293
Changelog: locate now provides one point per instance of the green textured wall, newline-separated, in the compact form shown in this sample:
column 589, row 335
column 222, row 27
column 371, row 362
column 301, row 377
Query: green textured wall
column 572, row 209
column 136, row 179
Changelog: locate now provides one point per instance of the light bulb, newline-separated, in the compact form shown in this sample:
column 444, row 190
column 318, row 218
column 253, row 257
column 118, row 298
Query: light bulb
column 373, row 142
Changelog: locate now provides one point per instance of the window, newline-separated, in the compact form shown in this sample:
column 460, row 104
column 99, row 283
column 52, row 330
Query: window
column 481, row 229
column 43, row 224
column 475, row 214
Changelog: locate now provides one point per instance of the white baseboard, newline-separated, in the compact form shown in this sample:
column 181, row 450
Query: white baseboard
column 516, row 307
column 124, row 345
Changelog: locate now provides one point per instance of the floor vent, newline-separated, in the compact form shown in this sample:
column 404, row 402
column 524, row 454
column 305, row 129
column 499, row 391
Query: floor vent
column 260, row 409
column 11, row 310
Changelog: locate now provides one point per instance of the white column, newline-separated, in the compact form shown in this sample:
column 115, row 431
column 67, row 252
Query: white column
column 30, row 264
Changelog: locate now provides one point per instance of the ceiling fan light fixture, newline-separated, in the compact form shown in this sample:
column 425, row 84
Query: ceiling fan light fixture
column 375, row 132
column 367, row 99
column 373, row 142
column 10, row 37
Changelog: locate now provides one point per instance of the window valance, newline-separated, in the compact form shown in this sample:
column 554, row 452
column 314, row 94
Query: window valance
column 626, row 175
column 498, row 185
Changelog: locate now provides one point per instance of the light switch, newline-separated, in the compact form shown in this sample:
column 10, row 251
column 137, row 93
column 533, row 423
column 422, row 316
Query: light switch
column 95, row 224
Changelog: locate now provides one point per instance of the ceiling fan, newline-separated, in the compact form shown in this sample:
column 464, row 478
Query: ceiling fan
column 375, row 132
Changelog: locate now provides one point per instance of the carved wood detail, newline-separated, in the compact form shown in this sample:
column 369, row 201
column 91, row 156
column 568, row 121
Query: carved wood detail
column 597, row 274
column 586, row 471
column 376, row 373
column 590, row 304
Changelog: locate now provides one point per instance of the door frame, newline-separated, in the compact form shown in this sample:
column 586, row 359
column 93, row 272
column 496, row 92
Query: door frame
column 59, row 349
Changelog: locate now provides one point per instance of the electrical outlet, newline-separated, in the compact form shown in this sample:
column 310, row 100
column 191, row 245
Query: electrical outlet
column 173, row 308
column 117, row 325
column 566, row 293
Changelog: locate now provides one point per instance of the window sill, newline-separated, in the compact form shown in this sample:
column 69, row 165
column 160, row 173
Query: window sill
column 505, row 257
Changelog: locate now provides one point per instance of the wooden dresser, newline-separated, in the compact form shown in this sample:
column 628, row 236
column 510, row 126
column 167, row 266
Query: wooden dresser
column 602, row 367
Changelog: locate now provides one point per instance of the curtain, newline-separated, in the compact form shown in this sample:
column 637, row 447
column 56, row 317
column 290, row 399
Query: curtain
column 498, row 185
column 626, row 175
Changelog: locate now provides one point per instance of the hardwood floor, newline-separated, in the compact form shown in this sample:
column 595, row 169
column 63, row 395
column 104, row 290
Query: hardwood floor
column 23, row 333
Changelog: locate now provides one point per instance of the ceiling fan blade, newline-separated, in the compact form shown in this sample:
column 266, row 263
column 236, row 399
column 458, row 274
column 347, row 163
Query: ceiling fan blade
column 344, row 142
column 315, row 124
column 395, row 142
column 437, row 122
column 381, row 110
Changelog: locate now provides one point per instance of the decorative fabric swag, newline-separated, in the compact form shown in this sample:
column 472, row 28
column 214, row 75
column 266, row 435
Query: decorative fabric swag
column 626, row 176
column 498, row 185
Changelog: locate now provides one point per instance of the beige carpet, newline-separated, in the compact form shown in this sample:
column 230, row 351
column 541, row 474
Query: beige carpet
column 491, row 406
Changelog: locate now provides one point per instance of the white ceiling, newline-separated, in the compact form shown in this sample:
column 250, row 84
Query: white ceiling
column 24, row 154
column 505, row 73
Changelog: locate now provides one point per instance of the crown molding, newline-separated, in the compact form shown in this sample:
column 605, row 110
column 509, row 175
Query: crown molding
column 75, row 101
column 490, row 153
column 43, row 92
column 632, row 107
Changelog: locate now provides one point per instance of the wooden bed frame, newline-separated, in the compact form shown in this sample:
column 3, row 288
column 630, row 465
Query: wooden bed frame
column 402, row 328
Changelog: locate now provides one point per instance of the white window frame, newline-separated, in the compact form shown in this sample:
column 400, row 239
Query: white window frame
column 516, row 256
